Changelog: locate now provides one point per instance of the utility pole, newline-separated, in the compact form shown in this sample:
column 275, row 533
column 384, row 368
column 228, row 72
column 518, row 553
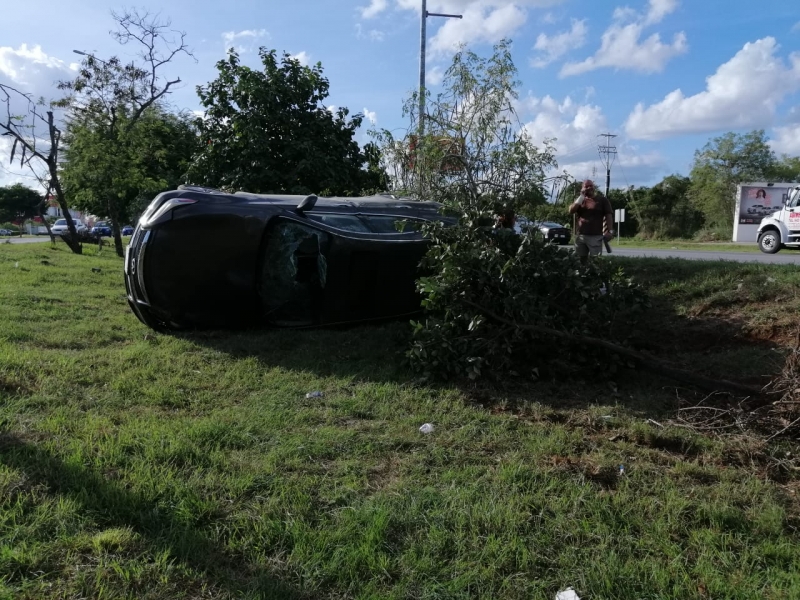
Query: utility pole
column 421, row 116
column 422, row 39
column 607, row 155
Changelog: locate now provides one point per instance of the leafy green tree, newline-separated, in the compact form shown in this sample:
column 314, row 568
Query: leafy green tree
column 114, row 176
column 482, row 282
column 665, row 211
column 722, row 164
column 112, row 108
column 19, row 202
column 474, row 151
column 268, row 131
column 786, row 169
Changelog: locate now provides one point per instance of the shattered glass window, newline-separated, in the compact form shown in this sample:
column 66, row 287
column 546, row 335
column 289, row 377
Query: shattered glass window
column 294, row 273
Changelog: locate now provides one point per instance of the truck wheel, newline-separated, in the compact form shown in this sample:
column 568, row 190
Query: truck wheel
column 770, row 242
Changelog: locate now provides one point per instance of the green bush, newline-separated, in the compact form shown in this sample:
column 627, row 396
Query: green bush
column 476, row 269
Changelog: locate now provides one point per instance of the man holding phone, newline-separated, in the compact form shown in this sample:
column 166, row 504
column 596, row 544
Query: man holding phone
column 595, row 221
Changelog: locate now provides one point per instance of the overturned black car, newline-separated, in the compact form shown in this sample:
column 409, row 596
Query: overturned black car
column 203, row 258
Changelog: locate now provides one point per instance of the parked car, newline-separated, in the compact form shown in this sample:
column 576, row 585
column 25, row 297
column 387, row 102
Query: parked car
column 60, row 227
column 5, row 232
column 127, row 230
column 102, row 229
column 551, row 231
column 275, row 259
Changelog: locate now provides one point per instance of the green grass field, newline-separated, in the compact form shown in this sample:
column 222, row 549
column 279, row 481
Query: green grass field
column 141, row 465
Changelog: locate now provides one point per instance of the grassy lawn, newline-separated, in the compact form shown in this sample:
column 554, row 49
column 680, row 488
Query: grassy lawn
column 141, row 465
column 686, row 245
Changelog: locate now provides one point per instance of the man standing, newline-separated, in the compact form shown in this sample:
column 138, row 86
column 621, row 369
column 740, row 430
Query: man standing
column 595, row 221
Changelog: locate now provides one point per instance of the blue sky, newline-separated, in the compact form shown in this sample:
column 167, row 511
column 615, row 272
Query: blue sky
column 665, row 75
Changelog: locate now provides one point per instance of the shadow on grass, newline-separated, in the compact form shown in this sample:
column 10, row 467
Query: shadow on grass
column 161, row 529
column 714, row 338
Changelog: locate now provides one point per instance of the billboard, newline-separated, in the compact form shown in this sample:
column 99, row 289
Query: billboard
column 754, row 201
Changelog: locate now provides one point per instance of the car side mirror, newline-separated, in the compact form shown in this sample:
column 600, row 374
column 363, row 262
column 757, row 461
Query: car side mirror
column 307, row 203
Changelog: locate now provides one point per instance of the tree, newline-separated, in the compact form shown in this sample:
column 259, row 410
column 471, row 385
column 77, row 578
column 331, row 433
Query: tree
column 474, row 148
column 665, row 211
column 19, row 202
column 786, row 169
column 114, row 176
column 268, row 132
column 721, row 165
column 38, row 150
column 477, row 159
column 106, row 103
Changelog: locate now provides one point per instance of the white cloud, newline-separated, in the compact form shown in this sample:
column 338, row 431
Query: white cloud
column 622, row 48
column 548, row 19
column 796, row 27
column 32, row 69
column 480, row 23
column 483, row 20
column 743, row 93
column 374, row 9
column 371, row 116
column 373, row 35
column 631, row 167
column 304, row 58
column 575, row 126
column 787, row 140
column 434, row 75
column 659, row 9
column 230, row 38
column 552, row 48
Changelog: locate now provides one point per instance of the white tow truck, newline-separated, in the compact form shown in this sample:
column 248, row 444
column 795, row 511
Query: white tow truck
column 781, row 229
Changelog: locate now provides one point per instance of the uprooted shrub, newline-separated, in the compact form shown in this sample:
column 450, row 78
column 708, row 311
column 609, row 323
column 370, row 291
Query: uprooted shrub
column 476, row 270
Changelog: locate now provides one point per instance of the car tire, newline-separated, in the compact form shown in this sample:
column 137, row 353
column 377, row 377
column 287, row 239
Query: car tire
column 769, row 242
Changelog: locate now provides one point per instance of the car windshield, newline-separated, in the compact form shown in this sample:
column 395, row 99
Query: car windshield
column 61, row 222
column 550, row 224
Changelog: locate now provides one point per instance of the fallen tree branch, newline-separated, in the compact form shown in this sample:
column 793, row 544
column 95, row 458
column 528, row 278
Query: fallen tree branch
column 646, row 362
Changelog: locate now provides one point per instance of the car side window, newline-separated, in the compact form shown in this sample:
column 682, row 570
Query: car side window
column 343, row 222
column 390, row 224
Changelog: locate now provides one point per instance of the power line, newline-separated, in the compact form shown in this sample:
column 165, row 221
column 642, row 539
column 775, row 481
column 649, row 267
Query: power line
column 607, row 154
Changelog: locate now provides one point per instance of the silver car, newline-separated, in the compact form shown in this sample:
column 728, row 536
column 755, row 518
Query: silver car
column 60, row 227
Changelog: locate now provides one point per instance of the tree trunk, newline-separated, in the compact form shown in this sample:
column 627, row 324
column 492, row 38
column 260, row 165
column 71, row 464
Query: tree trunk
column 72, row 239
column 115, row 229
column 46, row 225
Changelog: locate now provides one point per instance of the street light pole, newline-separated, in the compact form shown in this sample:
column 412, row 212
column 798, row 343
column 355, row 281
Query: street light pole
column 90, row 55
column 422, row 38
column 421, row 116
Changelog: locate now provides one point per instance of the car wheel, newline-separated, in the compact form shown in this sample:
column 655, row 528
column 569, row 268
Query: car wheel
column 769, row 242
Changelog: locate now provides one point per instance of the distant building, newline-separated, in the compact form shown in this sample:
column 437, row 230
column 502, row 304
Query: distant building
column 54, row 210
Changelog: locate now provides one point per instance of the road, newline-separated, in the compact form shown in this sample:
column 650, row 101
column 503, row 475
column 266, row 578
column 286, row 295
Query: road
column 791, row 257
column 25, row 240
column 783, row 257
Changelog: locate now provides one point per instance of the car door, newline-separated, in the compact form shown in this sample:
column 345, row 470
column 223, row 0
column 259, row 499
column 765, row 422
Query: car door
column 790, row 214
